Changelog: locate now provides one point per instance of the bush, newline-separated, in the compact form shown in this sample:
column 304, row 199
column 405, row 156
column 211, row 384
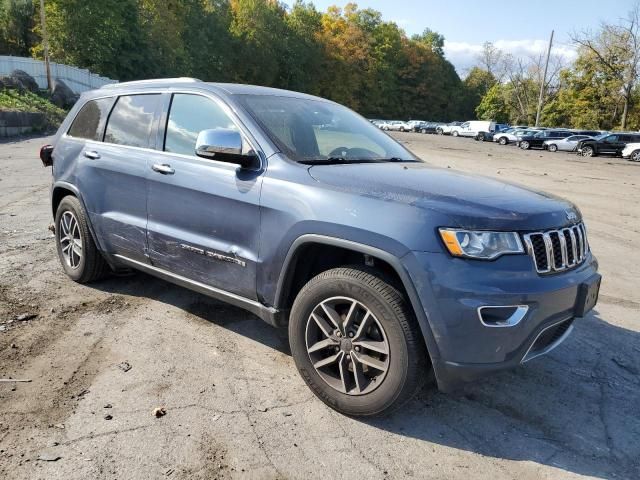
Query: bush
column 25, row 101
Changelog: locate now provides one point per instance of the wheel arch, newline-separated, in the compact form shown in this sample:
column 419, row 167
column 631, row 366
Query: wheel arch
column 63, row 189
column 287, row 287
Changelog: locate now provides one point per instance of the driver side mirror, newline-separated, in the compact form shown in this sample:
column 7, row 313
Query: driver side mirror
column 225, row 145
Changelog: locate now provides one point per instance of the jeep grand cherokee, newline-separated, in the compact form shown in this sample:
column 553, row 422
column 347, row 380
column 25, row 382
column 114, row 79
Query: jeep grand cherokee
column 388, row 272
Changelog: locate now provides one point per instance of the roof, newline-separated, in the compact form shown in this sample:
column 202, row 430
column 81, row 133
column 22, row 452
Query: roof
column 226, row 88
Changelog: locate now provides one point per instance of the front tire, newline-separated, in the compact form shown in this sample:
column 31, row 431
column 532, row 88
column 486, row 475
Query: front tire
column 454, row 133
column 77, row 251
column 524, row 145
column 588, row 152
column 356, row 343
column 553, row 147
column 503, row 141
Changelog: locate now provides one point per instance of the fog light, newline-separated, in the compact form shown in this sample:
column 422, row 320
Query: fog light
column 502, row 316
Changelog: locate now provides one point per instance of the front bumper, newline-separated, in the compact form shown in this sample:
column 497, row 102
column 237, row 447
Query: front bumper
column 452, row 290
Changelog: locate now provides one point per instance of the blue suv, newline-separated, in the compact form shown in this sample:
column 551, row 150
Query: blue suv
column 388, row 272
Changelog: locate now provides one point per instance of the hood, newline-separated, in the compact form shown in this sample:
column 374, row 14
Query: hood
column 469, row 201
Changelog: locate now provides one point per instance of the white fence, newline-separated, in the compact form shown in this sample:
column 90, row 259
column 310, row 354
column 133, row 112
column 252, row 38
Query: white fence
column 78, row 79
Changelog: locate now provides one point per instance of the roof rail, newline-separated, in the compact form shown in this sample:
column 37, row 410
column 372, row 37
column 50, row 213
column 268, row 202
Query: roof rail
column 150, row 82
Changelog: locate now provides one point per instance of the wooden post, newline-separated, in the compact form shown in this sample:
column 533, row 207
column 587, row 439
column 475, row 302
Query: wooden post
column 45, row 44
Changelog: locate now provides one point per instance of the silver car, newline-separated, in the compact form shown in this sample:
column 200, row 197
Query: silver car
column 568, row 144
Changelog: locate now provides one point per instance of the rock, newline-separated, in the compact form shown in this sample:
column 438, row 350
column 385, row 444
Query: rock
column 159, row 412
column 49, row 457
column 26, row 316
column 108, row 417
column 62, row 95
column 108, row 405
column 124, row 366
column 25, row 80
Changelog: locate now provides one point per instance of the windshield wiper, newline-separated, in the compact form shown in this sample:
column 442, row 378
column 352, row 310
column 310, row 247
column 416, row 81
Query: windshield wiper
column 340, row 160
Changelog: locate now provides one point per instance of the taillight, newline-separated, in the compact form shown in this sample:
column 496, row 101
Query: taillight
column 45, row 155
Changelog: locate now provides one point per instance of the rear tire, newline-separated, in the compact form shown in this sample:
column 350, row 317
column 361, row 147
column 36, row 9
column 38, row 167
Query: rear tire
column 77, row 251
column 370, row 312
column 635, row 156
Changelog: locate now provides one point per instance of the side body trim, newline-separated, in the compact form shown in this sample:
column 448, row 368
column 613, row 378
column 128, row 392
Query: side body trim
column 269, row 314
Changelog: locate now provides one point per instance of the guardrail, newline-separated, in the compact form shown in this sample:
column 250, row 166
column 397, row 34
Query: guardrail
column 77, row 79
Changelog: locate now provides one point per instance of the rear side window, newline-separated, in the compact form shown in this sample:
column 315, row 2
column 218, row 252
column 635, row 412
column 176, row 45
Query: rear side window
column 188, row 116
column 131, row 120
column 90, row 121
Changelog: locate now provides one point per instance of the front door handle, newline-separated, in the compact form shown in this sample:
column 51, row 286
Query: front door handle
column 92, row 154
column 163, row 168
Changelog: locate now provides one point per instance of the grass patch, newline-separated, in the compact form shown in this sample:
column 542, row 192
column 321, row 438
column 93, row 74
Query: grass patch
column 16, row 101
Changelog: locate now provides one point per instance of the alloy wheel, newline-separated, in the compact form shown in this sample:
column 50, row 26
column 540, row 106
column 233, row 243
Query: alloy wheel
column 635, row 156
column 70, row 239
column 587, row 152
column 347, row 345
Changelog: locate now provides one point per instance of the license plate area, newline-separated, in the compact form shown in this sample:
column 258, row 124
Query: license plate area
column 587, row 296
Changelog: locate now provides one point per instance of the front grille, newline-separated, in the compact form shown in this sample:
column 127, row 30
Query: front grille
column 558, row 250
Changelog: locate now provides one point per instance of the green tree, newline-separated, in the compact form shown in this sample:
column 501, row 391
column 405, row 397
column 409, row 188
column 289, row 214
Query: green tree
column 16, row 27
column 102, row 36
column 494, row 104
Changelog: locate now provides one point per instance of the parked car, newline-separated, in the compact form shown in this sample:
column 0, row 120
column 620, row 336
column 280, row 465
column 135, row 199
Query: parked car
column 568, row 144
column 396, row 126
column 537, row 140
column 428, row 127
column 483, row 136
column 512, row 135
column 472, row 127
column 412, row 124
column 632, row 152
column 606, row 144
column 385, row 270
column 446, row 129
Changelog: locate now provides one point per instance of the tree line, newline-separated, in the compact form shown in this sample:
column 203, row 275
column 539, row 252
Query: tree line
column 350, row 55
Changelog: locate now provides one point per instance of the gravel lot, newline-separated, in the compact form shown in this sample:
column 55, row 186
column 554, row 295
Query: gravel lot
column 102, row 357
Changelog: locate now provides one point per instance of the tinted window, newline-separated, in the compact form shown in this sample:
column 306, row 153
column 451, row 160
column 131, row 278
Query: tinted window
column 611, row 139
column 131, row 120
column 89, row 123
column 188, row 116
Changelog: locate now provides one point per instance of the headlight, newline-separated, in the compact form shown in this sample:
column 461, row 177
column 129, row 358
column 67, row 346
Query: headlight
column 483, row 245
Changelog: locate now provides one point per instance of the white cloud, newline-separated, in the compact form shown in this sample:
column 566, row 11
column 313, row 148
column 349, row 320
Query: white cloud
column 464, row 55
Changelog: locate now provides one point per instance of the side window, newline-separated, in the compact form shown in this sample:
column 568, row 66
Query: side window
column 611, row 139
column 89, row 123
column 188, row 116
column 131, row 120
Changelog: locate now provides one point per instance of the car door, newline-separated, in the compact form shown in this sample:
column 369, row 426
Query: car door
column 112, row 174
column 609, row 145
column 203, row 214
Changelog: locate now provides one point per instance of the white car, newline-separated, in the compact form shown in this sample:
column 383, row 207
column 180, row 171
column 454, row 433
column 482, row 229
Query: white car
column 568, row 144
column 632, row 152
column 446, row 129
column 512, row 135
column 396, row 126
column 472, row 128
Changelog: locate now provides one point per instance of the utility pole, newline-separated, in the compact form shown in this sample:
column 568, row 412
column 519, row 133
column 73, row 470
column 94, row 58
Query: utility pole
column 45, row 44
column 544, row 80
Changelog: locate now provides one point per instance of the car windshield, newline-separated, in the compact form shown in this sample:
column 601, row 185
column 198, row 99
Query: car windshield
column 315, row 131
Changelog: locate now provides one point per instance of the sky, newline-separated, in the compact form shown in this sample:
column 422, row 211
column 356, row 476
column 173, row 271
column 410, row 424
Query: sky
column 522, row 29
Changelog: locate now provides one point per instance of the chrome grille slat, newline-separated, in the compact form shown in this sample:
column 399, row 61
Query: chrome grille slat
column 563, row 248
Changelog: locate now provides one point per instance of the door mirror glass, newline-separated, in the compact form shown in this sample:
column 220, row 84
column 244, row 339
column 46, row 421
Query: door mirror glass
column 224, row 145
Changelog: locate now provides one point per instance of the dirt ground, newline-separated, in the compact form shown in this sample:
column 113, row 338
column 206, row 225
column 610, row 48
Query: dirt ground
column 101, row 357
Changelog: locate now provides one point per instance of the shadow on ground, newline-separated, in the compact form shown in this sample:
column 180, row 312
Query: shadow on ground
column 576, row 409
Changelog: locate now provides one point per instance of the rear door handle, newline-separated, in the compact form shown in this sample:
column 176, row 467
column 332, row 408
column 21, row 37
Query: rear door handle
column 92, row 154
column 163, row 168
